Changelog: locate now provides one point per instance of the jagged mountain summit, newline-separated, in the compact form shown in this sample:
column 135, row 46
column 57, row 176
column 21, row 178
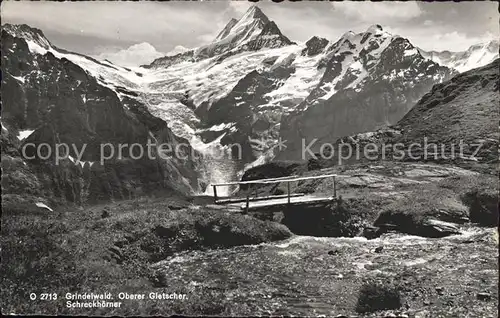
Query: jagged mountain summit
column 457, row 120
column 475, row 56
column 371, row 80
column 252, row 32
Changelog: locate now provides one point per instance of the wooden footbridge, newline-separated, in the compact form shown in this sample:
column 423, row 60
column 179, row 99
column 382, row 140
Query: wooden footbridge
column 251, row 201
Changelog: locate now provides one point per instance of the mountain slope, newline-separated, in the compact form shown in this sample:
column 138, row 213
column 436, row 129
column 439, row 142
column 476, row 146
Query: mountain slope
column 48, row 98
column 465, row 108
column 371, row 80
column 476, row 56
column 462, row 112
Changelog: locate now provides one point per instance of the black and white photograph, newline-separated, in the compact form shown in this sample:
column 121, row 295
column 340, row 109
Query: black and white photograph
column 250, row 158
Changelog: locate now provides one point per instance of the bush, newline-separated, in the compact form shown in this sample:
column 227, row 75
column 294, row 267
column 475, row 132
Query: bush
column 375, row 296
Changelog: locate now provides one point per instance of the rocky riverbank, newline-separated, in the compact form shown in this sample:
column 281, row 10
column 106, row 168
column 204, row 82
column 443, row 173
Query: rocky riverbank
column 391, row 276
column 413, row 198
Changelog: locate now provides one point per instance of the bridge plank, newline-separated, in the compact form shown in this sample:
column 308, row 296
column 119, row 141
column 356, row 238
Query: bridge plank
column 283, row 202
column 269, row 197
column 258, row 181
column 276, row 180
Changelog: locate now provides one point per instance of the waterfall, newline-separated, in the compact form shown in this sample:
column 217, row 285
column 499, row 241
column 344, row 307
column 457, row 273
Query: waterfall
column 218, row 164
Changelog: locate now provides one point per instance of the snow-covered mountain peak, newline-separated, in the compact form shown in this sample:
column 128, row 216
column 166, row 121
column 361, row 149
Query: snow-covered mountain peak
column 253, row 14
column 475, row 56
column 348, row 35
column 224, row 32
column 248, row 26
column 493, row 46
column 252, row 31
column 374, row 40
column 35, row 39
column 375, row 29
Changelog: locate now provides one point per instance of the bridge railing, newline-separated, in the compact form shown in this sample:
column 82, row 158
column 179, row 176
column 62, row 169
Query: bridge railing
column 286, row 180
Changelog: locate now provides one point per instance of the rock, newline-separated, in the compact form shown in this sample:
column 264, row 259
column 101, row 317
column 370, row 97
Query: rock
column 371, row 232
column 435, row 228
column 159, row 279
column 53, row 88
column 314, row 46
column 116, row 254
column 105, row 214
column 175, row 207
column 322, row 219
column 121, row 243
column 483, row 205
column 483, row 296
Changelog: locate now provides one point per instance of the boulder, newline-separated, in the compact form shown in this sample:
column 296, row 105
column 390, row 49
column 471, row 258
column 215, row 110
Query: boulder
column 436, row 228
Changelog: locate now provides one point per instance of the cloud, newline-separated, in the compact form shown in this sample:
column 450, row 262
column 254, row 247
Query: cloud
column 443, row 41
column 437, row 38
column 164, row 24
column 239, row 7
column 378, row 12
column 177, row 49
column 137, row 54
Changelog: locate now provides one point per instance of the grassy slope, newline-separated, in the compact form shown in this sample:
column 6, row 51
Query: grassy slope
column 464, row 108
column 83, row 250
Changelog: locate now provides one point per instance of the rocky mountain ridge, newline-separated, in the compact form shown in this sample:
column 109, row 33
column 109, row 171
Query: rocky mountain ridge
column 475, row 56
column 371, row 80
column 47, row 98
column 455, row 123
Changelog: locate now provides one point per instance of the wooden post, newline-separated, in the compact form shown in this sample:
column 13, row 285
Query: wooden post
column 334, row 188
column 215, row 194
column 288, row 188
column 248, row 202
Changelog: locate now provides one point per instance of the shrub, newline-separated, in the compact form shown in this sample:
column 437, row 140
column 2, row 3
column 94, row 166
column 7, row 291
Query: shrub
column 375, row 296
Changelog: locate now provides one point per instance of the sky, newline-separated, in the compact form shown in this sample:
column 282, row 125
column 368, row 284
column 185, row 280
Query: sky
column 108, row 29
